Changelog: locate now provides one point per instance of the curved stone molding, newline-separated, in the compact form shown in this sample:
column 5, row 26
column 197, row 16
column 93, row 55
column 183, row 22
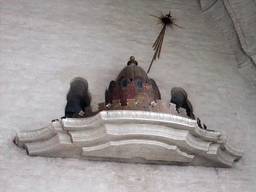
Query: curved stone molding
column 220, row 156
column 112, row 132
column 181, row 138
column 59, row 145
column 131, row 136
column 206, row 134
column 70, row 124
column 127, row 116
column 141, row 149
column 89, row 137
column 38, row 135
column 150, row 117
column 232, row 150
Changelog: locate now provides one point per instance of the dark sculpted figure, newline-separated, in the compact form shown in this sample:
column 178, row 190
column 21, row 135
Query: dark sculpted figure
column 78, row 97
column 180, row 98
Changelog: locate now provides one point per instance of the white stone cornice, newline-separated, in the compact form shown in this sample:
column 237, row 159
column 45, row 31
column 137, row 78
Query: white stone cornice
column 131, row 136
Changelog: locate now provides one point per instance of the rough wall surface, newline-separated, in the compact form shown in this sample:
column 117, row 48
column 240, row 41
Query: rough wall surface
column 237, row 22
column 44, row 44
column 243, row 14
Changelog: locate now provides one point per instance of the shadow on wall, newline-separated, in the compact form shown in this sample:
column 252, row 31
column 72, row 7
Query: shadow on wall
column 238, row 24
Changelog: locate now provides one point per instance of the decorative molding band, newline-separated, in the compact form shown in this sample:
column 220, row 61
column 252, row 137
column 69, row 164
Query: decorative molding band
column 142, row 149
column 38, row 135
column 128, row 116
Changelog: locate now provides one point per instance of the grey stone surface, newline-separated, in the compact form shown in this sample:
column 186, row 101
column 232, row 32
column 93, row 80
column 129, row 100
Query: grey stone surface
column 236, row 26
column 44, row 44
column 243, row 14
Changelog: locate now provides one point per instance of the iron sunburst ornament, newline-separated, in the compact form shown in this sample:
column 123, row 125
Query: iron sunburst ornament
column 166, row 21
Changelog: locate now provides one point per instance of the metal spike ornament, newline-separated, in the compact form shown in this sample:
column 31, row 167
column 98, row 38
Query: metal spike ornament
column 166, row 21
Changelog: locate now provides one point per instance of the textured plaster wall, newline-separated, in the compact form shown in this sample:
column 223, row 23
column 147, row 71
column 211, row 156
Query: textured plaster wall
column 236, row 20
column 44, row 44
column 243, row 14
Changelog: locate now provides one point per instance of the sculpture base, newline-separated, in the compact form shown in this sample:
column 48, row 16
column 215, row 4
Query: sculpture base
column 131, row 136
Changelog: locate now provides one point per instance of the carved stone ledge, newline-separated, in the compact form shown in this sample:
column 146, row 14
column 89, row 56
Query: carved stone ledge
column 131, row 136
column 38, row 135
column 142, row 149
column 126, row 116
column 207, row 135
column 59, row 145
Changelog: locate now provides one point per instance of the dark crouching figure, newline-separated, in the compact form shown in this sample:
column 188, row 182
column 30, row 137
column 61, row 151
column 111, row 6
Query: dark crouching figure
column 78, row 97
column 180, row 98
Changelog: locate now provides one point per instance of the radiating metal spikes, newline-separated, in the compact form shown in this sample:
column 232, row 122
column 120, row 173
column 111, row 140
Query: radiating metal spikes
column 166, row 21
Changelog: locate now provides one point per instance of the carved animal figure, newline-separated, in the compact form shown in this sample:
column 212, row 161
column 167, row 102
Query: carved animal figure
column 180, row 97
column 78, row 97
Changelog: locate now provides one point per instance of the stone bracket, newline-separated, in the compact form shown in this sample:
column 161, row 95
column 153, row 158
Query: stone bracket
column 131, row 136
